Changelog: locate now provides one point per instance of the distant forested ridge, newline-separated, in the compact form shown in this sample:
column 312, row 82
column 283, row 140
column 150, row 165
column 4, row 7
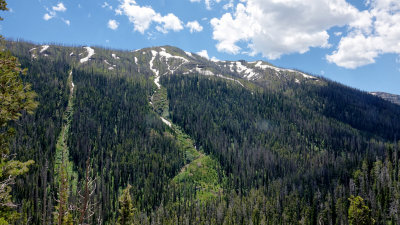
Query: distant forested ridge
column 163, row 136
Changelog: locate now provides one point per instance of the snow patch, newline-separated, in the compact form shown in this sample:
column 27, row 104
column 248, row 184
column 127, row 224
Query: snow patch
column 136, row 61
column 228, row 78
column 231, row 67
column 189, row 54
column 90, row 52
column 165, row 54
column 72, row 83
column 44, row 48
column 166, row 121
column 156, row 72
column 71, row 54
column 106, row 62
column 263, row 67
column 307, row 76
column 204, row 72
column 114, row 56
column 260, row 65
column 33, row 54
column 168, row 56
column 249, row 73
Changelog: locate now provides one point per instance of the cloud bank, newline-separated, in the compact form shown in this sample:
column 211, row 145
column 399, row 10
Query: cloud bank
column 142, row 16
column 376, row 32
column 274, row 28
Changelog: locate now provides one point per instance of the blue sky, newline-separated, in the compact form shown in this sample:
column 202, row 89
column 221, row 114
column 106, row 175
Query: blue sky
column 354, row 42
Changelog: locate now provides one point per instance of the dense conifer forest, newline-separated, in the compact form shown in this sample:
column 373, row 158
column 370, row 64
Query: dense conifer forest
column 146, row 139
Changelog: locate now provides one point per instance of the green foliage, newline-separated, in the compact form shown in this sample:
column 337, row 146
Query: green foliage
column 201, row 175
column 279, row 152
column 126, row 210
column 359, row 213
column 3, row 7
column 65, row 176
column 16, row 97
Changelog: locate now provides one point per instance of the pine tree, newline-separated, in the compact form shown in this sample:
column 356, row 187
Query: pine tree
column 359, row 213
column 15, row 98
column 126, row 210
column 62, row 215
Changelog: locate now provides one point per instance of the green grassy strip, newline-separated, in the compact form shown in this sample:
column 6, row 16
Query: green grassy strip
column 62, row 150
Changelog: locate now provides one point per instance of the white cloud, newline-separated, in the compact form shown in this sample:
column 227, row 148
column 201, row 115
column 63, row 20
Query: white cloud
column 194, row 26
column 113, row 24
column 377, row 32
column 66, row 21
column 48, row 16
column 214, row 59
column 229, row 5
column 59, row 7
column 208, row 3
column 274, row 28
column 51, row 13
column 168, row 22
column 106, row 5
column 143, row 16
column 337, row 34
column 203, row 53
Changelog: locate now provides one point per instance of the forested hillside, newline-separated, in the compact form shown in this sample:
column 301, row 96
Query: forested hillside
column 163, row 136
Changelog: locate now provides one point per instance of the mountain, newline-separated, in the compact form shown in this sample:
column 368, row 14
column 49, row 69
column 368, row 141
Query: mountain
column 199, row 141
column 390, row 97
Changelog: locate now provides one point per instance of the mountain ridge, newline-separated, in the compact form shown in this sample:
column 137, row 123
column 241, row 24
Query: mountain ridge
column 201, row 141
column 388, row 96
column 240, row 69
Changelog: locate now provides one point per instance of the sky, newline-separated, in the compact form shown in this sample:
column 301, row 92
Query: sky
column 355, row 42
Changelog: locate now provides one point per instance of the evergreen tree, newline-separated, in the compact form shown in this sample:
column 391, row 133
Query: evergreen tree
column 15, row 98
column 126, row 210
column 359, row 213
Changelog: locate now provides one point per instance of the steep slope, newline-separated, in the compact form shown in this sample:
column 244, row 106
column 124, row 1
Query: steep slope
column 202, row 141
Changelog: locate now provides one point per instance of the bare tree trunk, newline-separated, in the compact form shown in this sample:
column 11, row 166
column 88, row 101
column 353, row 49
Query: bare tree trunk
column 86, row 194
column 44, row 177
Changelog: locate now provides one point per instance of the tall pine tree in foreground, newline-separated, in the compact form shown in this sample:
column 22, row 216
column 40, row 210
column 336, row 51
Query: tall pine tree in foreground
column 126, row 210
column 15, row 98
column 359, row 213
